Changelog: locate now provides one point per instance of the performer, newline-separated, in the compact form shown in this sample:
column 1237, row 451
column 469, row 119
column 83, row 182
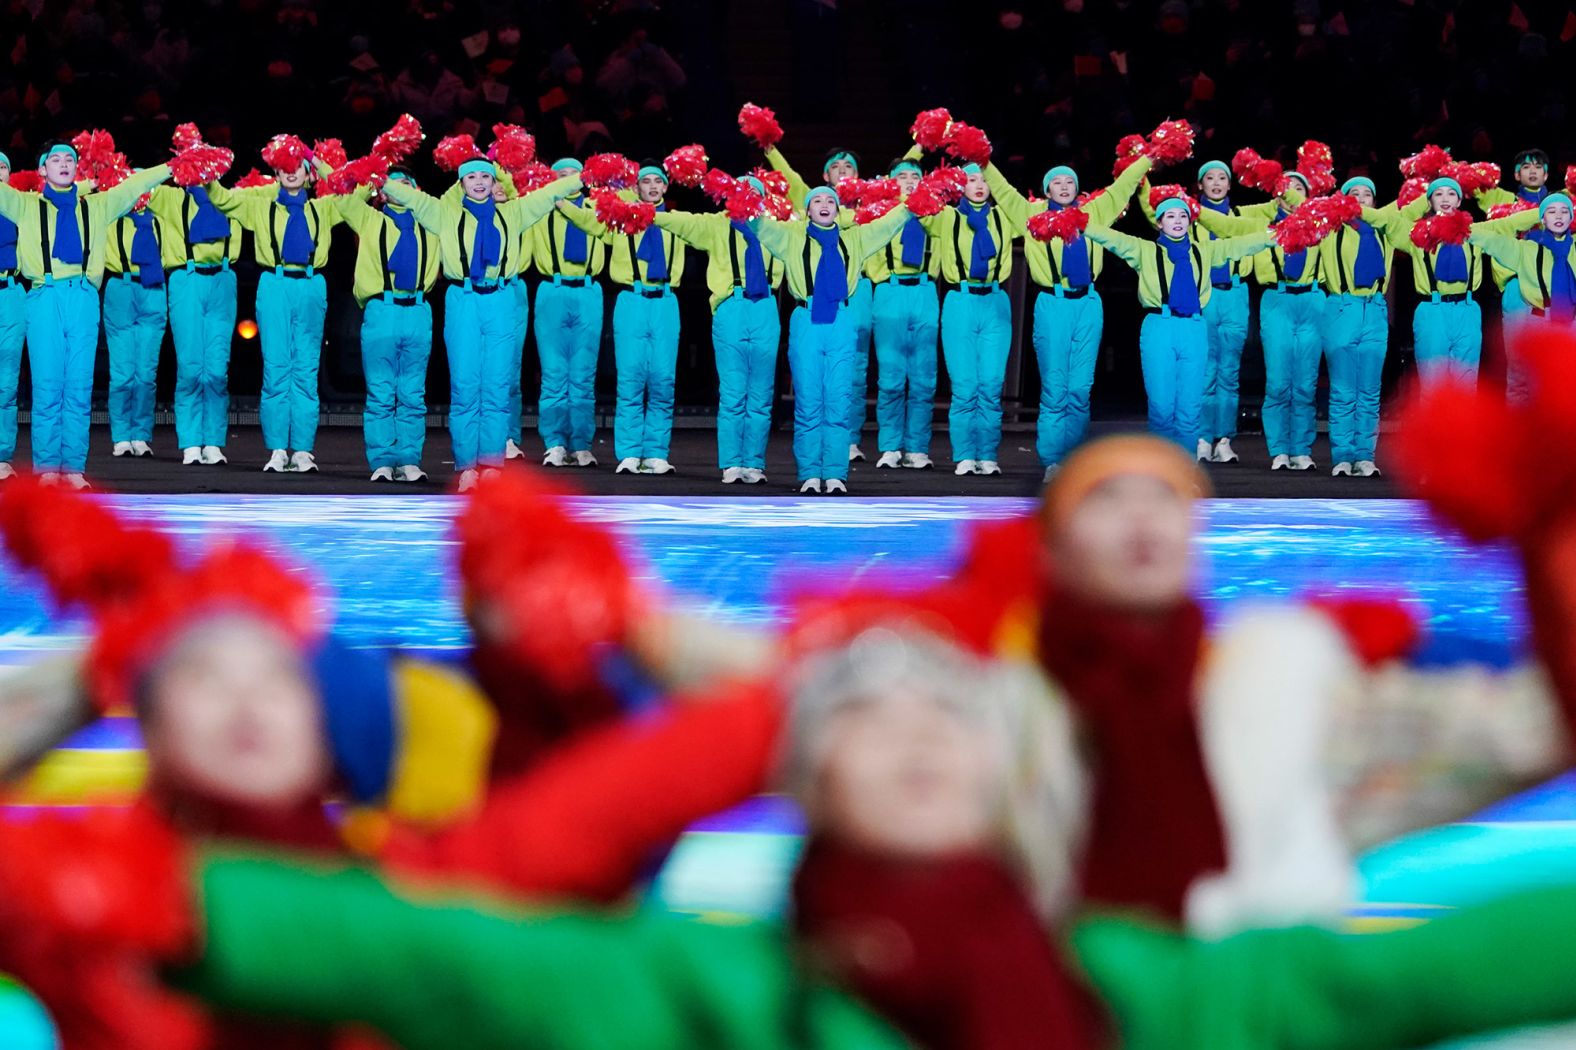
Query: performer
column 396, row 268
column 1540, row 260
column 823, row 262
column 13, row 328
column 1069, row 316
column 290, row 239
column 1531, row 172
column 745, row 332
column 568, row 331
column 60, row 252
column 645, row 329
column 1174, row 286
column 479, row 326
column 135, row 310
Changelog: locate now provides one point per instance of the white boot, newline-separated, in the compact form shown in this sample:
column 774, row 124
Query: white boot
column 835, row 486
column 468, row 479
column 627, row 465
column 75, row 481
column 1280, row 463
column 732, row 474
column 7, row 471
column 141, row 448
column 213, row 455
column 557, row 456
column 1366, row 468
column 855, row 452
column 410, row 472
column 889, row 459
column 1340, row 469
column 1224, row 453
column 813, row 485
column 303, row 463
column 584, row 458
column 754, row 475
column 1302, row 463
column 278, row 461
column 49, row 477
column 512, row 450
column 383, row 474
column 656, row 466
column 122, row 448
column 1205, row 452
column 1050, row 472
column 191, row 456
column 965, row 466
column 987, row 466
column 917, row 461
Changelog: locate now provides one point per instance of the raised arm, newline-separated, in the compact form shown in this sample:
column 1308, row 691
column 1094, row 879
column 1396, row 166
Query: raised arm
column 798, row 189
column 14, row 204
column 1128, row 248
column 778, row 237
column 1223, row 225
column 692, row 228
column 539, row 203
column 1008, row 199
column 1233, row 248
column 429, row 211
column 121, row 198
column 874, row 236
column 357, row 213
column 1510, row 225
column 1108, row 206
column 586, row 219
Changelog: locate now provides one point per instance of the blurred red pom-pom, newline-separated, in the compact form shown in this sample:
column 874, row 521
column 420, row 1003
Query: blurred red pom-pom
column 968, row 143
column 330, row 152
column 1432, row 231
column 253, row 178
column 201, row 164
column 1170, row 143
column 717, row 184
column 744, row 203
column 620, row 215
column 930, row 128
column 610, row 171
column 1426, row 163
column 371, row 170
column 1067, row 224
column 26, row 180
column 1501, row 211
column 532, row 176
column 1411, row 189
column 285, row 153
column 185, row 137
column 760, row 125
column 871, row 211
column 1452, row 447
column 399, row 142
column 686, row 165
column 455, row 150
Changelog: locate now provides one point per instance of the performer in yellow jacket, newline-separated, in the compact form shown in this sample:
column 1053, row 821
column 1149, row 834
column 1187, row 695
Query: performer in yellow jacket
column 135, row 312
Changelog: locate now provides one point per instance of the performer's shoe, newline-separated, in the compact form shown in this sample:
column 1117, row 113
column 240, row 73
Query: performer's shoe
column 191, row 457
column 512, row 450
column 754, row 475
column 383, row 474
column 278, row 461
column 965, row 466
column 303, row 463
column 812, row 485
column 732, row 474
column 1302, row 463
column 468, row 479
column 1280, row 463
column 75, row 481
column 122, row 448
column 835, row 487
column 1366, row 468
column 410, row 472
column 917, row 461
column 1224, row 453
column 1205, row 452
column 7, row 471
column 50, row 478
column 627, row 465
column 1050, row 472
column 557, row 456
column 855, row 453
column 584, row 458
column 656, row 466
column 1341, row 469
column 889, row 459
column 141, row 448
column 212, row 456
column 987, row 466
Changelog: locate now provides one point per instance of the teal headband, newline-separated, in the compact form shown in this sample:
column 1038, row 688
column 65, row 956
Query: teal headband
column 59, row 147
column 1530, row 158
column 568, row 162
column 403, row 176
column 970, row 169
column 819, row 191
column 1444, row 182
column 1212, row 165
column 1553, row 198
column 905, row 165
column 1057, row 172
column 1172, row 202
column 839, row 155
column 470, row 167
column 5, row 160
column 1306, row 184
column 1359, row 180
column 651, row 169
column 755, row 184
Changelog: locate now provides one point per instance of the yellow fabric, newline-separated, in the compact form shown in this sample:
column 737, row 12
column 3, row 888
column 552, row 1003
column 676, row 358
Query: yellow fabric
column 371, row 225
column 621, row 262
column 788, row 240
column 955, row 243
column 169, row 203
column 1530, row 262
column 456, row 228
column 547, row 247
column 257, row 209
column 1398, row 228
column 70, row 777
column 446, row 735
column 1491, row 198
column 102, row 209
column 1338, row 253
column 1045, row 257
column 117, row 247
column 1141, row 254
column 713, row 233
column 1255, row 217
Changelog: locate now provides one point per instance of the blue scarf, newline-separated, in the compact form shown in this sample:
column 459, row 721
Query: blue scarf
column 297, row 247
column 1292, row 264
column 1075, row 256
column 755, row 281
column 1450, row 264
column 651, row 252
column 7, row 245
column 576, row 249
column 913, row 241
column 1184, row 283
column 1533, row 196
column 208, row 223
column 1218, row 274
column 978, row 218
column 67, row 244
column 1562, row 289
column 487, row 249
column 403, row 260
column 1368, row 270
column 145, row 250
column 831, row 279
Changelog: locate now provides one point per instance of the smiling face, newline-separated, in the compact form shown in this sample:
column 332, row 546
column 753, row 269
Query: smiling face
column 1215, row 185
column 1174, row 222
column 1063, row 189
column 230, row 713
column 478, row 185
column 840, row 169
column 1127, row 545
column 653, row 188
column 976, row 190
column 59, row 170
column 292, row 180
column 822, row 209
column 1445, row 200
column 1557, row 218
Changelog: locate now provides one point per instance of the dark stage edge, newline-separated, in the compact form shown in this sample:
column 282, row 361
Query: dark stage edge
column 343, row 470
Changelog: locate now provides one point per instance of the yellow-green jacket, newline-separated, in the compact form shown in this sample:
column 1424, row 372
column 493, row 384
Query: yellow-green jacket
column 1530, row 262
column 1338, row 253
column 547, row 245
column 117, row 246
column 713, row 233
column 175, row 209
column 1399, row 229
column 1045, row 257
column 622, row 264
column 376, row 236
column 456, row 227
column 35, row 224
column 955, row 243
column 1490, row 198
column 258, row 209
column 1155, row 269
column 801, row 253
column 1269, row 266
column 1242, row 219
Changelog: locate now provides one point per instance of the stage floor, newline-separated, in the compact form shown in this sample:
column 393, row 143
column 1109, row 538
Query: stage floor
column 386, row 561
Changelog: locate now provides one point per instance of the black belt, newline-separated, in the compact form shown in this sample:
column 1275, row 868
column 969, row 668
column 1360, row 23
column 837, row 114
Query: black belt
column 909, row 282
column 8, row 279
column 1295, row 289
column 974, row 289
column 572, row 282
column 1223, row 286
column 1072, row 293
column 410, row 300
column 644, row 294
column 1456, row 297
column 209, row 271
column 484, row 289
column 294, row 275
column 1167, row 312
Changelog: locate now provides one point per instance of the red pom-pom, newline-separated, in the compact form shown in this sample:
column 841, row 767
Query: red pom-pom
column 870, row 212
column 533, row 177
column 848, row 192
column 1453, row 447
column 1170, row 143
column 1068, row 224
column 776, row 182
column 779, row 208
column 948, row 182
column 717, row 184
column 27, row 180
column 1244, row 161
column 330, row 152
column 200, row 164
column 968, row 143
column 455, row 150
column 185, row 137
column 620, row 215
column 1426, row 164
column 1411, row 189
column 1315, row 163
column 610, row 171
column 93, row 147
column 1501, row 211
column 1570, row 178
column 1256, row 173
column 285, row 153
column 1160, row 194
column 110, row 172
column 1315, row 220
column 1473, row 178
column 925, row 201
column 253, row 178
column 686, row 165
column 400, row 141
column 760, row 124
column 371, row 170
column 1431, row 231
column 514, row 152
column 930, row 128
column 1378, row 628
column 744, row 204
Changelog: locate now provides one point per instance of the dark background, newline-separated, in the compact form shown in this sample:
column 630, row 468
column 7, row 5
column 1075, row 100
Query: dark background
column 1052, row 82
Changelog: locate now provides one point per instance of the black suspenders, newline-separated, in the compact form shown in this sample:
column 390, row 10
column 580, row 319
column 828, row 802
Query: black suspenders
column 82, row 230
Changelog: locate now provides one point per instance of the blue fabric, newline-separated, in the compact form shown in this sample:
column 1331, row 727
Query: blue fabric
column 645, row 352
column 13, row 332
column 1368, row 270
column 1533, row 196
column 652, row 252
column 745, row 335
column 290, row 315
column 831, row 278
column 821, row 359
column 479, row 332
column 1292, row 264
column 208, row 222
column 976, row 337
column 1173, row 352
column 1226, row 318
column 396, row 343
column 202, row 321
column 1184, row 284
column 984, row 247
column 1066, row 346
column 906, row 320
column 568, row 337
column 296, row 247
column 1218, row 274
column 861, row 303
column 577, row 248
column 66, row 245
column 487, row 246
column 1356, row 336
column 7, row 246
column 1562, row 284
column 145, row 250
column 1450, row 263
column 404, row 257
column 756, row 282
column 912, row 240
column 1291, row 329
column 359, row 716
column 62, row 343
column 134, row 320
column 1075, row 256
column 1447, row 339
